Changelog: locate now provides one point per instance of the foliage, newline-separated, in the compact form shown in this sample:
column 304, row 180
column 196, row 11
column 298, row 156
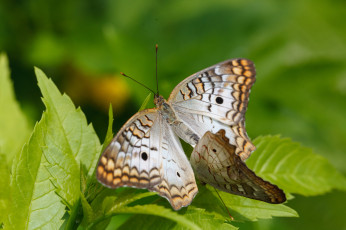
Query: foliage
column 53, row 181
column 11, row 139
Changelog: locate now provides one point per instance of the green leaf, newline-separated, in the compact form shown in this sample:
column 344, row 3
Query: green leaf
column 199, row 217
column 5, row 197
column 109, row 134
column 145, row 102
column 14, row 128
column 206, row 220
column 88, row 213
column 34, row 203
column 69, row 141
column 241, row 208
column 155, row 210
column 124, row 198
column 294, row 168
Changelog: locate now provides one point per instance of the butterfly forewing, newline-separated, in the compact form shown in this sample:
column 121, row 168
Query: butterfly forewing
column 133, row 158
column 147, row 154
column 216, row 163
column 244, row 146
column 220, row 92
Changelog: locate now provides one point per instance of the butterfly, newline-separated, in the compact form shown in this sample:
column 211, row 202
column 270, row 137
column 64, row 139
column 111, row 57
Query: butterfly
column 146, row 153
column 216, row 163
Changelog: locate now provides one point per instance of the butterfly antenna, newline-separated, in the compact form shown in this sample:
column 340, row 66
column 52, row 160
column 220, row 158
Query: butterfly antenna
column 137, row 82
column 157, row 82
column 224, row 204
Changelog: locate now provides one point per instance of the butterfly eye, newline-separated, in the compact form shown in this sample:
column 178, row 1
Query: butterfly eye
column 214, row 150
column 219, row 100
column 178, row 174
column 144, row 156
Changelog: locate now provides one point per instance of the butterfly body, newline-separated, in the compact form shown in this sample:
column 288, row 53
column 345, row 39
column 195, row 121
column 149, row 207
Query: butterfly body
column 146, row 152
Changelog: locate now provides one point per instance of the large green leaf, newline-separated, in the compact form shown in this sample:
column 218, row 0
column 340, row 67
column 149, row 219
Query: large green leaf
column 34, row 203
column 294, row 168
column 154, row 210
column 241, row 208
column 200, row 217
column 69, row 141
column 4, row 189
column 14, row 129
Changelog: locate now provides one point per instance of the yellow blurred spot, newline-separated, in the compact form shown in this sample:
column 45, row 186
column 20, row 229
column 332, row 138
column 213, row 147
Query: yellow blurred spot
column 98, row 91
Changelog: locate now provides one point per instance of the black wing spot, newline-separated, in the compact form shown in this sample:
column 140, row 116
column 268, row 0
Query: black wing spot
column 219, row 100
column 214, row 150
column 144, row 156
column 178, row 174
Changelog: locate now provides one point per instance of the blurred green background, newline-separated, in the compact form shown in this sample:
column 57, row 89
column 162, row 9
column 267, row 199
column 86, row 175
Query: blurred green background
column 298, row 47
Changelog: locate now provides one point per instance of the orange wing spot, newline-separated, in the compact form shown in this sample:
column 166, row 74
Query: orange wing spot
column 237, row 71
column 134, row 172
column 116, row 181
column 200, row 88
column 117, row 172
column 241, row 79
column 110, row 165
column 197, row 80
column 247, row 73
column 235, row 63
column 243, row 88
column 125, row 178
column 100, row 170
column 138, row 133
column 244, row 62
column 144, row 182
column 243, row 97
column 236, row 87
column 134, row 180
column 248, row 81
column 126, row 170
column 109, row 177
column 103, row 160
column 145, row 122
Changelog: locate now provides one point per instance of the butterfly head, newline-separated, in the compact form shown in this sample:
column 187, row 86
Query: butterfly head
column 159, row 100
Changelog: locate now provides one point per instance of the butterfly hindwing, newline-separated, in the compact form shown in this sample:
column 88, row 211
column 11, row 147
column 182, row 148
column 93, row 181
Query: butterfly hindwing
column 216, row 163
column 178, row 183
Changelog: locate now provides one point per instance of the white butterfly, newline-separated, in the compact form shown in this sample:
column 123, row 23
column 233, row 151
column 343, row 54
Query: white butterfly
column 146, row 152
